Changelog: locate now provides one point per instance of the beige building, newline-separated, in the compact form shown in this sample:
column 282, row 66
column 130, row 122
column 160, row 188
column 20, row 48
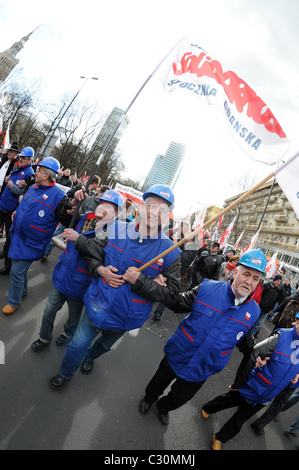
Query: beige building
column 279, row 226
column 8, row 59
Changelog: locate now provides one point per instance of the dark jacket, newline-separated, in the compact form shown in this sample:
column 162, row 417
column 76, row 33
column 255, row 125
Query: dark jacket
column 269, row 297
column 285, row 291
column 64, row 180
column 205, row 266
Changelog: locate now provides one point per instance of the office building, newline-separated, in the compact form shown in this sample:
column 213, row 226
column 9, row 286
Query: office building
column 166, row 167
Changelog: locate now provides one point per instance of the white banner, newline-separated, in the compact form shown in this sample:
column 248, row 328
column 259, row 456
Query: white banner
column 130, row 193
column 190, row 68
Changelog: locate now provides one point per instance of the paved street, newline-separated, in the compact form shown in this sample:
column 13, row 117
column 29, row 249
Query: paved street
column 100, row 411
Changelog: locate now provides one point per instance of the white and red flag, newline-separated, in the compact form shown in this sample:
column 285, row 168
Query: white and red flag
column 6, row 142
column 287, row 176
column 271, row 266
column 251, row 245
column 226, row 233
column 190, row 68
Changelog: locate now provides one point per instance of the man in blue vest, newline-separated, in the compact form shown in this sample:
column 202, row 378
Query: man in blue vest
column 222, row 314
column 34, row 223
column 71, row 275
column 120, row 298
column 254, row 387
column 20, row 178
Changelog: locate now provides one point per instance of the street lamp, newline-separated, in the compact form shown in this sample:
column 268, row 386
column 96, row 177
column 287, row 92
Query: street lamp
column 68, row 107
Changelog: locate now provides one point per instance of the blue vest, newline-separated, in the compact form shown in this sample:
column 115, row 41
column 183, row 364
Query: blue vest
column 204, row 340
column 267, row 382
column 71, row 274
column 35, row 222
column 9, row 201
column 121, row 308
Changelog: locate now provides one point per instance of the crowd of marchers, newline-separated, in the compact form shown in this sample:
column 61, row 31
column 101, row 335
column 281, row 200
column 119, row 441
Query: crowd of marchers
column 118, row 260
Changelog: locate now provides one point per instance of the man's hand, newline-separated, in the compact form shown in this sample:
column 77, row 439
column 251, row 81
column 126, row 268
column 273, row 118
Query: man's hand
column 79, row 195
column 160, row 280
column 261, row 362
column 69, row 235
column 131, row 275
column 9, row 183
column 22, row 184
column 295, row 379
column 108, row 273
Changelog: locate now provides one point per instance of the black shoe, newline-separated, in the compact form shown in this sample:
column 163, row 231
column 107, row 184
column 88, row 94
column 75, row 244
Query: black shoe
column 258, row 431
column 144, row 406
column 163, row 417
column 4, row 271
column 62, row 340
column 38, row 345
column 58, row 382
column 86, row 366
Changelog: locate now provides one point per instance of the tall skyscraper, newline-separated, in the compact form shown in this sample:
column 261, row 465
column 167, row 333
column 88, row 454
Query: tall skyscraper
column 165, row 167
column 8, row 59
column 105, row 132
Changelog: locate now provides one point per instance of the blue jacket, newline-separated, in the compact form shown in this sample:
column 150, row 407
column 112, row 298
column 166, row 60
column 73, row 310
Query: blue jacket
column 204, row 340
column 71, row 275
column 121, row 308
column 35, row 222
column 9, row 201
column 267, row 382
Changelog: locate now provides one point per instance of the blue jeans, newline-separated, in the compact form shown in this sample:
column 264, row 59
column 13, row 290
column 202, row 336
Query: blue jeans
column 80, row 345
column 294, row 426
column 18, row 281
column 55, row 302
column 256, row 327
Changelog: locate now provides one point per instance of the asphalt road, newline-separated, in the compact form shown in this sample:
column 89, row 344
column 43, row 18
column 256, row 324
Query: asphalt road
column 100, row 411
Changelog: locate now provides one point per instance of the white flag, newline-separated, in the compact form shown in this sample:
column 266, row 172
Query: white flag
column 287, row 176
column 238, row 241
column 251, row 245
column 6, row 142
column 199, row 218
column 190, row 68
column 271, row 266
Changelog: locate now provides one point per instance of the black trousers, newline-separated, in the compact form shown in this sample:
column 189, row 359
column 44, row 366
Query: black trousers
column 180, row 393
column 233, row 426
column 275, row 407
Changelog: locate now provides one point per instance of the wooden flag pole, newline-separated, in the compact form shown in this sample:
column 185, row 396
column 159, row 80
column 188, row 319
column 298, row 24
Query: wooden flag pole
column 209, row 222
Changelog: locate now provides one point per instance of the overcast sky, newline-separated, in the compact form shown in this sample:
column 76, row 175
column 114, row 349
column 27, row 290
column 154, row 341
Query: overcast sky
column 121, row 42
